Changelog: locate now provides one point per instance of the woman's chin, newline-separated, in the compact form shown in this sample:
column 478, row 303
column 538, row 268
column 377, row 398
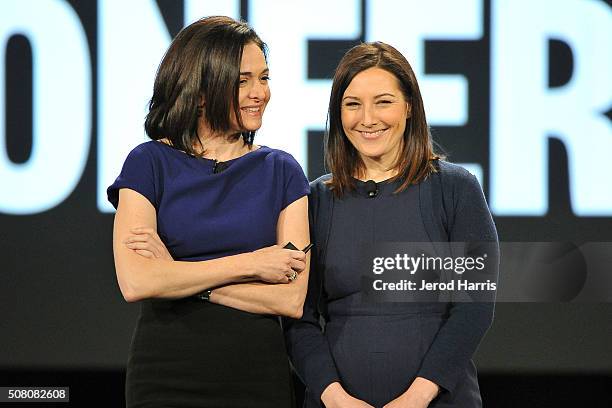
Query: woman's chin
column 374, row 155
column 251, row 124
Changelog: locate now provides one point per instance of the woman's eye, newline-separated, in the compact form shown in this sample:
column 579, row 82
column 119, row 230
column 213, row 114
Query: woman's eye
column 265, row 78
column 243, row 81
column 351, row 104
column 384, row 101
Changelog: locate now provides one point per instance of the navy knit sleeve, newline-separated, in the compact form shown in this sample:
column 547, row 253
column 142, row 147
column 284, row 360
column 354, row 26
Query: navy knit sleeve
column 470, row 221
column 138, row 174
column 307, row 347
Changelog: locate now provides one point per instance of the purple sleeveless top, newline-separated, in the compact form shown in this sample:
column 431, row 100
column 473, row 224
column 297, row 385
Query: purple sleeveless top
column 202, row 215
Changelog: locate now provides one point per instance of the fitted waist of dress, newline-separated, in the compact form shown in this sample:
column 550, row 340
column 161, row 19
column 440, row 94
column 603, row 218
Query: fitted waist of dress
column 191, row 311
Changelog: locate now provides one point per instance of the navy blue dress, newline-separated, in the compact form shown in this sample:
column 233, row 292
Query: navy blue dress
column 189, row 353
column 376, row 349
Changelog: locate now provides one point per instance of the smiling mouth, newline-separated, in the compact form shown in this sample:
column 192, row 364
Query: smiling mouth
column 372, row 134
column 252, row 110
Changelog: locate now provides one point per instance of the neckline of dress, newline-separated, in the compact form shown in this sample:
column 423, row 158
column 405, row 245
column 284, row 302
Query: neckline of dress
column 385, row 187
column 207, row 160
column 385, row 181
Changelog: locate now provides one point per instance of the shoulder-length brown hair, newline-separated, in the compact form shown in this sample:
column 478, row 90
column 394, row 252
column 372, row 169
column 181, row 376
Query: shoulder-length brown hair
column 202, row 62
column 414, row 161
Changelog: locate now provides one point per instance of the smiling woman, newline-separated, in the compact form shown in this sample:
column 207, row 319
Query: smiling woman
column 197, row 78
column 375, row 354
column 374, row 116
column 376, row 105
column 254, row 92
column 202, row 218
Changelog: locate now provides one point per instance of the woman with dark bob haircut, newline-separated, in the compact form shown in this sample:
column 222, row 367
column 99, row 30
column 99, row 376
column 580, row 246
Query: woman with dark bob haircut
column 202, row 217
column 360, row 343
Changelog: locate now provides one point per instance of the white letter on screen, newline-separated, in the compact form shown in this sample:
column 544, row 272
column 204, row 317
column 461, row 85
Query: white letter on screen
column 406, row 24
column 61, row 106
column 132, row 39
column 525, row 111
column 196, row 9
column 298, row 104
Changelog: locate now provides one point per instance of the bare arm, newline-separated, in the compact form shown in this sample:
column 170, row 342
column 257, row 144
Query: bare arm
column 141, row 277
column 263, row 298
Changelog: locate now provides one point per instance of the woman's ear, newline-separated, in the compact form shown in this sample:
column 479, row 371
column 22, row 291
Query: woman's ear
column 408, row 110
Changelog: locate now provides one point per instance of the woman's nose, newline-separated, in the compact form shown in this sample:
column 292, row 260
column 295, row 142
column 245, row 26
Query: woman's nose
column 258, row 91
column 368, row 118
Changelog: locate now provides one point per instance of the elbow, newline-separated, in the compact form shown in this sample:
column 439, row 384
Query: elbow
column 292, row 312
column 297, row 300
column 295, row 308
column 131, row 296
column 131, row 288
column 297, row 312
column 291, row 305
column 130, row 293
column 480, row 315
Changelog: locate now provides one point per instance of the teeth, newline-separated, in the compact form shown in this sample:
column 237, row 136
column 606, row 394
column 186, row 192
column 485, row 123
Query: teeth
column 252, row 109
column 372, row 134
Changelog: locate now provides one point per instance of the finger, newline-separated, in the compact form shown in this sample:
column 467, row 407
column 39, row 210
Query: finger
column 138, row 230
column 137, row 238
column 149, row 245
column 143, row 230
column 298, row 266
column 292, row 276
column 142, row 246
column 160, row 243
column 145, row 253
column 150, row 233
column 297, row 254
column 145, row 239
column 155, row 241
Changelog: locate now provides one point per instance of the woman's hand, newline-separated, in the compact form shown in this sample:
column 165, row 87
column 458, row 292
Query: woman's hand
column 274, row 264
column 420, row 393
column 146, row 242
column 334, row 396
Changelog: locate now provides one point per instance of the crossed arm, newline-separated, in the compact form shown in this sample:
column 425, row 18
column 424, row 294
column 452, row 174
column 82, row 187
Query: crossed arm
column 255, row 282
column 266, row 298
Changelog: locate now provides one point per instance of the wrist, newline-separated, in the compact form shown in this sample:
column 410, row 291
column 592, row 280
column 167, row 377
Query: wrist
column 333, row 395
column 426, row 388
column 245, row 267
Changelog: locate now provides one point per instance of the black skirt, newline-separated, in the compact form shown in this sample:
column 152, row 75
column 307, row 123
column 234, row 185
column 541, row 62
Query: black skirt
column 189, row 353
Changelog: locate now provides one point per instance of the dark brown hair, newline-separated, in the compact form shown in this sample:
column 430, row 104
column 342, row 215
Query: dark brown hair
column 414, row 162
column 203, row 62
